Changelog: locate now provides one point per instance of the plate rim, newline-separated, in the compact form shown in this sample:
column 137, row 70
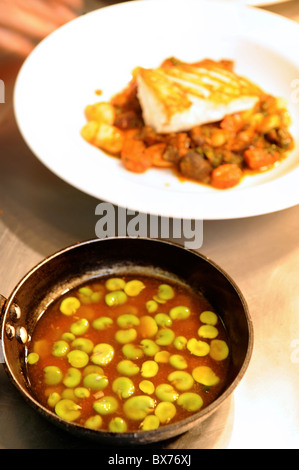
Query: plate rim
column 181, row 211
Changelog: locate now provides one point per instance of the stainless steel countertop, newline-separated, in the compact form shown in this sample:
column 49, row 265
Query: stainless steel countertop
column 40, row 214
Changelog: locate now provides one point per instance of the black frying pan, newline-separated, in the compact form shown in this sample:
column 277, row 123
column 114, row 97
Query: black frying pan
column 80, row 262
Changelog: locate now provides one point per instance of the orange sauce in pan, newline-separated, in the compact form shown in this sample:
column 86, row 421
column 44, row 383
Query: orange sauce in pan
column 53, row 324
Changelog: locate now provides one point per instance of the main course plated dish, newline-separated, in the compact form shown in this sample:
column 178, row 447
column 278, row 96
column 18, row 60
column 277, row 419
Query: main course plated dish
column 201, row 119
column 123, row 354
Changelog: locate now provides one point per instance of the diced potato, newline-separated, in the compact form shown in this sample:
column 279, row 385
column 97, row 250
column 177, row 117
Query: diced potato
column 109, row 138
column 100, row 112
column 270, row 122
column 89, row 131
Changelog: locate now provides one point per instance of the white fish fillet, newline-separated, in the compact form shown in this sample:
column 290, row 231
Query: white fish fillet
column 178, row 97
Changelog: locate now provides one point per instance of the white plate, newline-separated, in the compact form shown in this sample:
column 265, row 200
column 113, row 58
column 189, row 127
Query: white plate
column 99, row 51
column 263, row 2
column 259, row 3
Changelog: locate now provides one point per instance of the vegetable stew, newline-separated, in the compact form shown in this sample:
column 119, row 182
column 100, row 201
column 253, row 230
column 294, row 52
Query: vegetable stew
column 128, row 353
column 217, row 154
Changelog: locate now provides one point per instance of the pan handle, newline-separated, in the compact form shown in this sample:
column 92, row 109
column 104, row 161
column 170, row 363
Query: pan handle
column 3, row 301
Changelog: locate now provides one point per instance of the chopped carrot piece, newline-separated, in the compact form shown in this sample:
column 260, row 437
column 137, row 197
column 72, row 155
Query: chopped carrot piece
column 258, row 158
column 182, row 143
column 133, row 154
column 130, row 133
column 226, row 176
column 155, row 154
column 232, row 122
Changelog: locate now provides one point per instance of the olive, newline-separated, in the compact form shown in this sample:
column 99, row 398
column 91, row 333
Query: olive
column 117, row 424
column 165, row 292
column 94, row 422
column 87, row 296
column 102, row 354
column 42, row 347
column 69, row 305
column 165, row 337
column 53, row 399
column 205, row 375
column 68, row 393
column 106, row 405
column 149, row 347
column 95, row 381
column 138, row 407
column 68, row 336
column 123, row 387
column 147, row 327
column 83, row 344
column 177, row 361
column 126, row 336
column 102, row 323
column 180, row 342
column 147, row 387
column 32, row 358
column 190, row 401
column 162, row 319
column 114, row 298
column 131, row 351
column 208, row 331
column 84, row 299
column 68, row 410
column 115, row 283
column 92, row 368
column 208, row 317
column 78, row 358
column 165, row 411
column 127, row 367
column 134, row 287
column 180, row 312
column 127, row 321
column 181, row 380
column 158, row 299
column 81, row 392
column 151, row 306
column 149, row 423
column 52, row 375
column 96, row 297
column 197, row 347
column 85, row 291
column 166, row 392
column 79, row 327
column 219, row 350
column 162, row 356
column 149, row 369
column 72, row 377
column 128, row 309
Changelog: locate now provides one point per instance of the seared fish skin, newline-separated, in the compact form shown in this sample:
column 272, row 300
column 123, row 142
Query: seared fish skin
column 178, row 96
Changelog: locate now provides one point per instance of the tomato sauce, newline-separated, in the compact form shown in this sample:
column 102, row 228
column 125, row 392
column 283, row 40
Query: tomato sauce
column 53, row 324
